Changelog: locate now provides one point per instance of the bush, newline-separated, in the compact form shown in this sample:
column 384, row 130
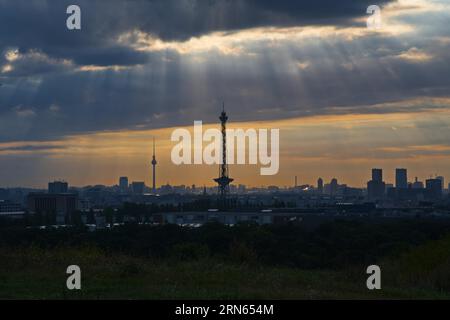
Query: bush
column 241, row 253
column 189, row 251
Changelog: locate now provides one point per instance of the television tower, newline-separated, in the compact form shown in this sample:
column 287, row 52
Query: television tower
column 224, row 180
column 154, row 163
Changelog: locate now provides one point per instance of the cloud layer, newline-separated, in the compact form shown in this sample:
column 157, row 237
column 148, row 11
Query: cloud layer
column 147, row 64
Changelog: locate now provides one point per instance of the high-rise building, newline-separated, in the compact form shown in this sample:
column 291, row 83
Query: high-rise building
column 320, row 185
column 123, row 184
column 333, row 186
column 377, row 175
column 401, row 178
column 58, row 187
column 138, row 187
column 376, row 188
column 434, row 189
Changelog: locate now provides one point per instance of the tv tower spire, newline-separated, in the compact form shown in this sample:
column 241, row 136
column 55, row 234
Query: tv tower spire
column 154, row 163
column 224, row 180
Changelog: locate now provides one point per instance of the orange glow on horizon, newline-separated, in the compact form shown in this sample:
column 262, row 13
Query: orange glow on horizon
column 341, row 146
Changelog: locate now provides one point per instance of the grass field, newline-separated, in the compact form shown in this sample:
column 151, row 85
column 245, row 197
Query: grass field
column 35, row 273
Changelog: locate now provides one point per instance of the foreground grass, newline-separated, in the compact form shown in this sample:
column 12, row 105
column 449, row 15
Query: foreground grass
column 33, row 273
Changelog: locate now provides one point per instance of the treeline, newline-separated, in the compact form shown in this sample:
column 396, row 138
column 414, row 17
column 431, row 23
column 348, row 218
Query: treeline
column 332, row 245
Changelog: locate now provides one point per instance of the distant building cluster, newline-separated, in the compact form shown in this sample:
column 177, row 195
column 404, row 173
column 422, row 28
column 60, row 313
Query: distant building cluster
column 60, row 201
column 404, row 192
column 280, row 203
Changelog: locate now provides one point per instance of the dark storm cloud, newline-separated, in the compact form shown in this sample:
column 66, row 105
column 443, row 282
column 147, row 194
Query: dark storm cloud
column 47, row 95
column 41, row 24
column 173, row 94
column 35, row 63
column 180, row 20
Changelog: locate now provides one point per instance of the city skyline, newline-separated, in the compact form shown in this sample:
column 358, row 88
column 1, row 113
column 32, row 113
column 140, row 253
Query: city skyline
column 346, row 98
column 377, row 174
column 97, row 149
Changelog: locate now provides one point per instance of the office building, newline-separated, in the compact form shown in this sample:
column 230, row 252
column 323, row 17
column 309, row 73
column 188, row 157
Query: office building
column 320, row 185
column 61, row 205
column 377, row 175
column 7, row 206
column 434, row 189
column 123, row 184
column 376, row 188
column 138, row 187
column 334, row 186
column 401, row 178
column 58, row 187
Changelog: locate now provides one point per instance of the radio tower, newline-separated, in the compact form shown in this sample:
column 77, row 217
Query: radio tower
column 224, row 180
column 154, row 163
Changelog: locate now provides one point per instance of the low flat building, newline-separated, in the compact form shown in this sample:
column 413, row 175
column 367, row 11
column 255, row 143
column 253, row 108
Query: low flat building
column 9, row 206
column 62, row 205
column 228, row 218
column 11, row 210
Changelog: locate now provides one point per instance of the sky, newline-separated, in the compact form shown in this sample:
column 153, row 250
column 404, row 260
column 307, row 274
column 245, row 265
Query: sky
column 84, row 105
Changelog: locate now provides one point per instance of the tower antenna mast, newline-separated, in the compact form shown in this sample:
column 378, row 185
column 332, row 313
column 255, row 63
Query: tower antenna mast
column 154, row 163
column 224, row 180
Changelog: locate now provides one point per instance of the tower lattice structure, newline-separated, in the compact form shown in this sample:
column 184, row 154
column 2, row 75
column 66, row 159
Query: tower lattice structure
column 154, row 163
column 224, row 180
